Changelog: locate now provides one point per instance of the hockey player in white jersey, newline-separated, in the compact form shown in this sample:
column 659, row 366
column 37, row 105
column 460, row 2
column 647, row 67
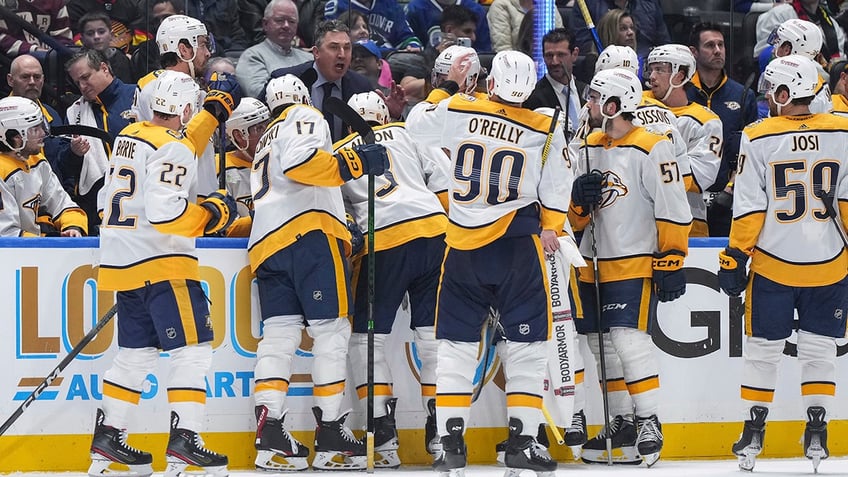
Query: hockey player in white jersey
column 791, row 192
column 506, row 209
column 297, row 248
column 244, row 128
column 409, row 231
column 801, row 37
column 147, row 255
column 629, row 175
column 32, row 193
column 669, row 68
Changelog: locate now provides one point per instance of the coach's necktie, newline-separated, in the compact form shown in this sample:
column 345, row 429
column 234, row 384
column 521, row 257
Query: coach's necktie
column 331, row 120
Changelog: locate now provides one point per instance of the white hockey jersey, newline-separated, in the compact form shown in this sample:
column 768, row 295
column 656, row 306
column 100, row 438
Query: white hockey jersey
column 784, row 162
column 34, row 190
column 237, row 175
column 295, row 184
column 643, row 208
column 496, row 166
column 703, row 135
column 151, row 218
column 406, row 198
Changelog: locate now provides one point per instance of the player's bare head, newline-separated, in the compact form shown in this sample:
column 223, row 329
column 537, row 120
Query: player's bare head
column 247, row 123
column 284, row 91
column 791, row 79
column 513, row 77
column 797, row 37
column 22, row 126
column 612, row 93
column 175, row 95
column 371, row 107
column 442, row 66
column 669, row 67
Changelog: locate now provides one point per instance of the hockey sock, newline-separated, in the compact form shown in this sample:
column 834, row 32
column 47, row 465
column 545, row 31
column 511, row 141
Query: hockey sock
column 281, row 335
column 620, row 403
column 817, row 355
column 329, row 367
column 187, row 384
column 759, row 372
column 123, row 382
column 425, row 343
column 454, row 371
column 635, row 349
column 525, row 368
column 382, row 374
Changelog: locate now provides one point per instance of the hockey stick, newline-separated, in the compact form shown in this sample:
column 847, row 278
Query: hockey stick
column 554, row 429
column 222, row 155
column 587, row 17
column 338, row 108
column 827, row 199
column 80, row 130
column 58, row 369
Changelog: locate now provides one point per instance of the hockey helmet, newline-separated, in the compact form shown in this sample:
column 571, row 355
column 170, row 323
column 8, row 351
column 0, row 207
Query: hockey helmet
column 287, row 89
column 249, row 112
column 173, row 91
column 797, row 73
column 175, row 28
column 615, row 56
column 805, row 37
column 443, row 62
column 513, row 76
column 20, row 115
column 678, row 56
column 618, row 83
column 370, row 106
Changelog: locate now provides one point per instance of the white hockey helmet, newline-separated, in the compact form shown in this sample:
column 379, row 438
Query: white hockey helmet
column 805, row 37
column 19, row 114
column 678, row 56
column 370, row 106
column 513, row 76
column 175, row 28
column 797, row 73
column 286, row 89
column 443, row 62
column 616, row 56
column 618, row 83
column 249, row 112
column 172, row 91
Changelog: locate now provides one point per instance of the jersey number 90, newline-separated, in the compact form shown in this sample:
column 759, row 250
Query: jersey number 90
column 495, row 178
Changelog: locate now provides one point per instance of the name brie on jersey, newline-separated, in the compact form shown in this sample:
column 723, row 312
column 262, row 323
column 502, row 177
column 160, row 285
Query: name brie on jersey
column 784, row 162
column 496, row 167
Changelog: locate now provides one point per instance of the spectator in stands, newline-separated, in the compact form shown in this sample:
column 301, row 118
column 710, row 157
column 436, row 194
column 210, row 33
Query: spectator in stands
column 754, row 6
column 559, row 88
column 221, row 18
column 329, row 73
column 26, row 79
column 52, row 19
column 251, row 13
column 647, row 15
column 104, row 99
column 386, row 19
column 429, row 22
column 96, row 33
column 505, row 18
column 257, row 62
column 367, row 60
column 124, row 12
column 814, row 11
column 734, row 104
column 616, row 27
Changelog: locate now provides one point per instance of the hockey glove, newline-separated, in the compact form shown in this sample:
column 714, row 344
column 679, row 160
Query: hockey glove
column 586, row 191
column 222, row 206
column 732, row 277
column 365, row 159
column 223, row 96
column 669, row 277
column 357, row 241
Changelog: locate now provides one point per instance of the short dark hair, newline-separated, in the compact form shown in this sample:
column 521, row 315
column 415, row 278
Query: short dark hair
column 328, row 26
column 695, row 34
column 558, row 35
column 456, row 15
column 93, row 17
column 179, row 5
column 349, row 17
column 92, row 57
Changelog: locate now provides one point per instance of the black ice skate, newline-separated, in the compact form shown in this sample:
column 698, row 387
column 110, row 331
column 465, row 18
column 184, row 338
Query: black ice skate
column 500, row 447
column 525, row 453
column 622, row 433
column 336, row 448
column 815, row 436
column 431, row 437
column 109, row 446
column 386, row 438
column 276, row 449
column 450, row 461
column 576, row 435
column 185, row 448
column 750, row 442
column 649, row 439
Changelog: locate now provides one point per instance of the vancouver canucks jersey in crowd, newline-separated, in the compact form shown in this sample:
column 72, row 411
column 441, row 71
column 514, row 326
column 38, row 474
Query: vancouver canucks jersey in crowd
column 425, row 18
column 386, row 20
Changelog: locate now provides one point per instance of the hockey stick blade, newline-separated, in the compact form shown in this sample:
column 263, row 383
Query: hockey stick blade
column 80, row 130
column 58, row 369
column 340, row 109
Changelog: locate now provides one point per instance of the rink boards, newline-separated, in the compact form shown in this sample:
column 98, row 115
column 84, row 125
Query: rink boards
column 52, row 301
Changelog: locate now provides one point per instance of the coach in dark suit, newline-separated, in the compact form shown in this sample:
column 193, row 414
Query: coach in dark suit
column 330, row 71
column 559, row 87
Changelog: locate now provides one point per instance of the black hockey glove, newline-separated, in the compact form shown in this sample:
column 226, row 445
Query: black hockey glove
column 586, row 191
column 223, row 208
column 357, row 241
column 223, row 96
column 365, row 159
column 732, row 277
column 669, row 277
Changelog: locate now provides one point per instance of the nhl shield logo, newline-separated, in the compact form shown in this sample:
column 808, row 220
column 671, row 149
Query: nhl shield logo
column 317, row 295
column 171, row 333
column 524, row 329
column 837, row 313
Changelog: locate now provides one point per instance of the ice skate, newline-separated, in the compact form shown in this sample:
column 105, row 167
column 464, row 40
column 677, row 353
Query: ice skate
column 750, row 442
column 450, row 461
column 386, row 438
column 525, row 453
column 109, row 447
column 336, row 448
column 576, row 435
column 431, row 437
column 622, row 433
column 185, row 448
column 500, row 451
column 649, row 440
column 276, row 449
column 815, row 436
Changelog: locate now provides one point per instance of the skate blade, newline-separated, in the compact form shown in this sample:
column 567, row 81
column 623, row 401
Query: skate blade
column 576, row 452
column 651, row 459
column 270, row 461
column 747, row 461
column 104, row 467
column 336, row 461
column 620, row 455
column 501, row 458
column 452, row 473
column 816, row 454
column 386, row 459
column 514, row 472
column 179, row 468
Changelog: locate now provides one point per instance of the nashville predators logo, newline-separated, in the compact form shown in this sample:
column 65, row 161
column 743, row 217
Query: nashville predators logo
column 613, row 188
